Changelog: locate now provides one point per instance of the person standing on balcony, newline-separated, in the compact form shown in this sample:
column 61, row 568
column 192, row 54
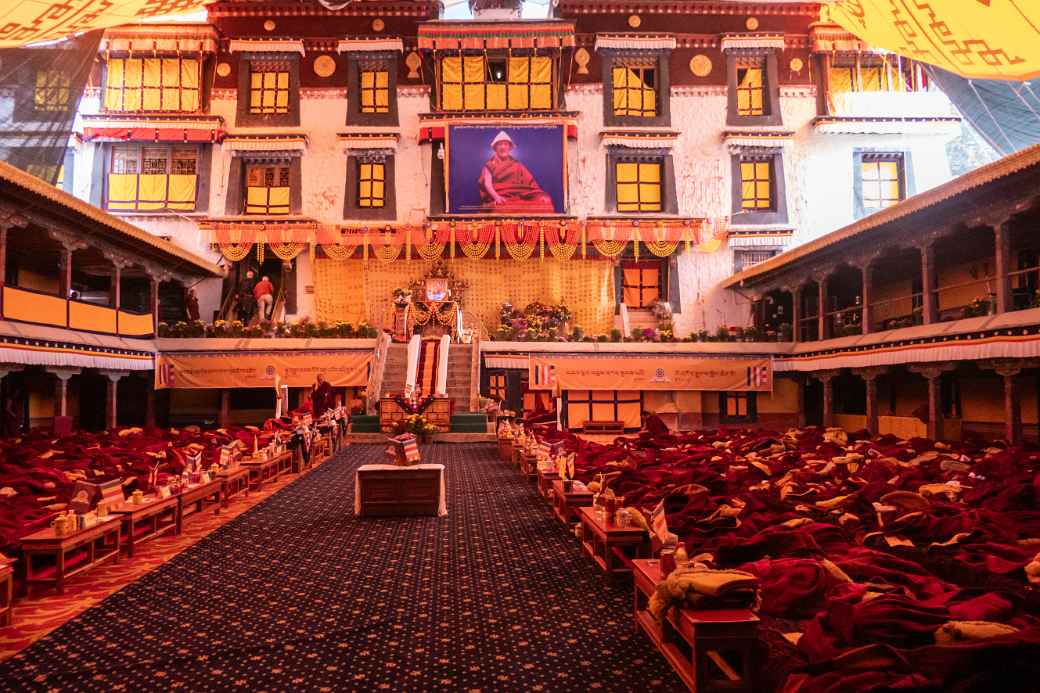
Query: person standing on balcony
column 246, row 300
column 263, row 292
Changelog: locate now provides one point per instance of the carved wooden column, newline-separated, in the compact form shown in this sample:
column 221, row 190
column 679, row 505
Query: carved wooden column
column 153, row 299
column 796, row 312
column 932, row 372
column 149, row 406
column 870, row 376
column 929, row 301
column 1009, row 371
column 866, row 316
column 821, row 307
column 826, row 377
column 225, row 407
column 801, row 380
column 112, row 396
column 65, row 263
column 3, row 253
column 1002, row 247
column 11, row 219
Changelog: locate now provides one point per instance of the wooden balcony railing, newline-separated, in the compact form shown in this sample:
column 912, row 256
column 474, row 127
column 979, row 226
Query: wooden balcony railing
column 40, row 308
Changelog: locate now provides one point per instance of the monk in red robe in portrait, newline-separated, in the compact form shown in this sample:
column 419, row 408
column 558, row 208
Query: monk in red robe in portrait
column 507, row 186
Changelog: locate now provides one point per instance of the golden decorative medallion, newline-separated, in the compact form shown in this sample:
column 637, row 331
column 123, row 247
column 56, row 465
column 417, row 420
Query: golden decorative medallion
column 378, row 24
column 324, row 65
column 269, row 25
column 413, row 62
column 634, row 20
column 582, row 58
column 796, row 64
column 700, row 65
column 751, row 23
column 223, row 69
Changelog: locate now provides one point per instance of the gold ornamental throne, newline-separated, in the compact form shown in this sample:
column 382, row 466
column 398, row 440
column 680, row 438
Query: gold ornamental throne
column 436, row 303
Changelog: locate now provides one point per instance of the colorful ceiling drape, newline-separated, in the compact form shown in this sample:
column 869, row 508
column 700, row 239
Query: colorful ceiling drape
column 31, row 21
column 980, row 39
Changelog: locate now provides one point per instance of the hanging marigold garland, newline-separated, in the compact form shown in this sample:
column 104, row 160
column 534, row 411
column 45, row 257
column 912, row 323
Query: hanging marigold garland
column 561, row 249
column 235, row 251
column 339, row 252
column 609, row 248
column 389, row 252
column 430, row 251
column 286, row 251
column 479, row 240
column 661, row 248
column 523, row 250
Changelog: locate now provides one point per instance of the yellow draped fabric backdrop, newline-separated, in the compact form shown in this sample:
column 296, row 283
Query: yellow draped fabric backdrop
column 28, row 21
column 353, row 290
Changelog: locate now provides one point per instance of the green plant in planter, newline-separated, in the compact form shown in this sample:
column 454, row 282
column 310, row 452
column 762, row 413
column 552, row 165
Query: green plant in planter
column 722, row 334
column 602, row 338
column 615, row 335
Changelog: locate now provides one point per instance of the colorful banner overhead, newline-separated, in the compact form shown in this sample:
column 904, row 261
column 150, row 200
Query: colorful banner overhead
column 31, row 21
column 651, row 373
column 980, row 39
column 207, row 370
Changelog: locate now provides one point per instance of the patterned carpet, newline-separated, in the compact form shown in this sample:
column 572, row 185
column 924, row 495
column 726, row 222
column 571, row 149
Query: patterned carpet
column 297, row 593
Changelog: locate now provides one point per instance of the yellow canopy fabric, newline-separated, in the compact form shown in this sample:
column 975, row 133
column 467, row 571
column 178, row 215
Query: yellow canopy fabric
column 979, row 40
column 30, row 21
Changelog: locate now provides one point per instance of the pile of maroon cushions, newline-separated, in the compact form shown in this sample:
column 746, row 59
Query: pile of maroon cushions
column 38, row 472
column 864, row 548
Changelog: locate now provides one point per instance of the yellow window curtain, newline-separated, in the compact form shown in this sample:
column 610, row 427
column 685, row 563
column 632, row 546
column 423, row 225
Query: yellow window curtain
column 755, row 185
column 52, row 91
column 151, row 92
column 151, row 191
column 530, row 83
column 451, row 84
column 634, row 92
column 352, row 290
column 840, row 79
column 268, row 91
column 190, row 73
column 474, row 82
column 882, row 185
column 182, row 192
column 375, row 91
column 541, row 83
column 638, row 186
column 114, row 85
column 122, row 191
column 641, row 284
column 750, row 91
column 132, row 76
column 371, row 178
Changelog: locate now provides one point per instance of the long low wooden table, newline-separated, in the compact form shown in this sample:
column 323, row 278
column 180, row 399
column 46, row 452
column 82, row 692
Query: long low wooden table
column 262, row 471
column 710, row 650
column 71, row 553
column 610, row 546
column 6, row 593
column 232, row 483
column 546, row 477
column 566, row 504
column 144, row 521
column 194, row 498
column 389, row 490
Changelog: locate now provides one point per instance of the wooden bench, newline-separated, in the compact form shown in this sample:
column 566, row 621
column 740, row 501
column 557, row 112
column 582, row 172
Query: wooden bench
column 194, row 498
column 603, row 427
column 710, row 650
column 546, row 477
column 144, row 521
column 233, row 482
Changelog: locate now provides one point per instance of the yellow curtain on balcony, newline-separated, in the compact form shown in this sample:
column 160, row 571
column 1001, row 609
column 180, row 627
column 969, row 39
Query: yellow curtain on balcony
column 122, row 191
column 980, row 40
column 182, row 192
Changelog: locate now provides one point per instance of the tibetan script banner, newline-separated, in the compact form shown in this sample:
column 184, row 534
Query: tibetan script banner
column 209, row 370
column 31, row 21
column 651, row 373
column 977, row 39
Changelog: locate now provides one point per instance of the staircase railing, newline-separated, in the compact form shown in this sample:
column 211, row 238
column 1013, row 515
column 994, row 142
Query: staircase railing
column 474, row 373
column 375, row 374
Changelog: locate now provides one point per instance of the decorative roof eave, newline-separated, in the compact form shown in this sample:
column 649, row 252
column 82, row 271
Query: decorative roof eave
column 640, row 139
column 643, row 42
column 898, row 125
column 265, row 143
column 432, row 126
column 741, row 9
column 742, row 139
column 476, row 35
column 831, row 38
column 368, row 140
column 143, row 127
column 1001, row 168
column 752, row 41
column 63, row 204
column 369, row 45
column 160, row 38
column 266, row 46
column 423, row 9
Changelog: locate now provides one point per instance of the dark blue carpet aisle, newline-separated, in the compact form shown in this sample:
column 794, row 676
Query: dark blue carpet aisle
column 298, row 594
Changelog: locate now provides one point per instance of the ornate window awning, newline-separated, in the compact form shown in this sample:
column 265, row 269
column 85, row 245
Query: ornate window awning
column 752, row 41
column 160, row 38
column 432, row 126
column 639, row 138
column 368, row 45
column 368, row 140
column 473, row 35
column 641, row 42
column 265, row 143
column 266, row 46
column 128, row 127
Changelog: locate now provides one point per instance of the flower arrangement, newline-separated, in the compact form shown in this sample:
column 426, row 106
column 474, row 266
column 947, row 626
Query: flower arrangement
column 416, row 424
column 535, row 323
column 302, row 329
column 979, row 306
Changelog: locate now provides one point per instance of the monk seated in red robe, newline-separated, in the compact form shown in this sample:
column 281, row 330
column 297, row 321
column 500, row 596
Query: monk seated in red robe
column 507, row 186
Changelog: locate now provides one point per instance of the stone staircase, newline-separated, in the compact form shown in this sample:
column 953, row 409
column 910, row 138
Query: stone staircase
column 640, row 318
column 459, row 376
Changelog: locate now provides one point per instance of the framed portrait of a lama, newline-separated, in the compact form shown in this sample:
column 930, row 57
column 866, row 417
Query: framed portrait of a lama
column 514, row 170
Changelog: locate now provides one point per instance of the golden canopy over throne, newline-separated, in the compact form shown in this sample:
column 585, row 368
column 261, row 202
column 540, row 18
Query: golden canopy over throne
column 434, row 306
